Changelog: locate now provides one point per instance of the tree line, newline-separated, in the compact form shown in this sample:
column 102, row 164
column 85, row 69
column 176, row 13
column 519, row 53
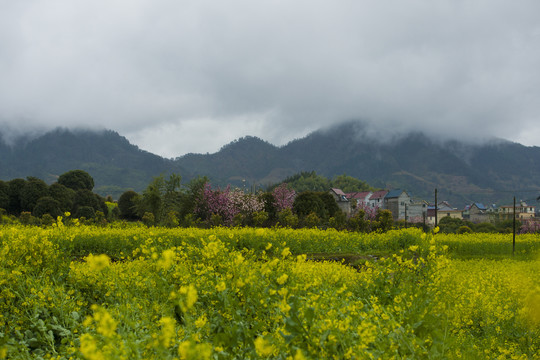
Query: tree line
column 166, row 201
column 33, row 198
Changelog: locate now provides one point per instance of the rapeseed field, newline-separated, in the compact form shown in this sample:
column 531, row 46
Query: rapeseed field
column 123, row 291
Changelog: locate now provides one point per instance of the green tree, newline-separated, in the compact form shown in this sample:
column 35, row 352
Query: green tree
column 269, row 205
column 4, row 195
column 47, row 205
column 311, row 220
column 191, row 196
column 450, row 225
column 152, row 199
column 32, row 191
column 86, row 212
column 14, row 192
column 383, row 220
column 84, row 197
column 330, row 205
column 63, row 195
column 350, row 184
column 127, row 204
column 307, row 181
column 77, row 180
column 309, row 202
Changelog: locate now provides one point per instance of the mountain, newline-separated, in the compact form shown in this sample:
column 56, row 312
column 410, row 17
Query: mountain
column 488, row 172
column 114, row 163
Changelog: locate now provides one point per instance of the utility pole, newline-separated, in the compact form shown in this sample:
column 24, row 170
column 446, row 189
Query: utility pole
column 514, row 229
column 405, row 216
column 436, row 207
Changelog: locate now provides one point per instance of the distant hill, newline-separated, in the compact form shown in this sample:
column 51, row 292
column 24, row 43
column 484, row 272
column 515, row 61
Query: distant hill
column 462, row 172
column 114, row 163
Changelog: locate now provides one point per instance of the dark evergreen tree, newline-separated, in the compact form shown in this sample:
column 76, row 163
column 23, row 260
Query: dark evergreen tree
column 47, row 205
column 84, row 197
column 4, row 195
column 77, row 180
column 309, row 202
column 31, row 192
column 63, row 195
column 330, row 205
column 87, row 212
column 14, row 192
column 127, row 205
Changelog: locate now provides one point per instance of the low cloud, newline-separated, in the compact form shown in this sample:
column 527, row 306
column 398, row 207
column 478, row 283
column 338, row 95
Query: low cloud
column 178, row 77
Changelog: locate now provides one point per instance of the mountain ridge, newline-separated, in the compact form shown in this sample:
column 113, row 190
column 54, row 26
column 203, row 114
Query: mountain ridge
column 463, row 172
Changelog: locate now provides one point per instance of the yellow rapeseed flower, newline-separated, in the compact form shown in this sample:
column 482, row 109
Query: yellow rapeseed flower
column 97, row 262
column 282, row 279
column 168, row 332
column 221, row 286
column 263, row 348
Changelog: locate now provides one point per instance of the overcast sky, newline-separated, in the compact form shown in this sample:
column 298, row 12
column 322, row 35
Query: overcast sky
column 177, row 76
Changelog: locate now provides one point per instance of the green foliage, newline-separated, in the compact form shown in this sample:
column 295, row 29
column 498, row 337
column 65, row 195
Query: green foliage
column 171, row 220
column 308, row 181
column 330, row 205
column 47, row 205
column 4, row 195
column 309, row 202
column 162, row 196
column 311, row 220
column 384, row 220
column 269, row 205
column 87, row 212
column 338, row 221
column 260, row 218
column 77, row 180
column 350, row 184
column 286, row 218
column 14, row 192
column 358, row 221
column 63, row 195
column 485, row 228
column 84, row 197
column 311, row 181
column 127, row 205
column 47, row 220
column 148, row 219
column 450, row 225
column 26, row 218
column 31, row 192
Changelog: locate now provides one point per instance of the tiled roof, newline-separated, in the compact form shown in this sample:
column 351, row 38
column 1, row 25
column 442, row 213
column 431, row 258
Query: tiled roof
column 480, row 206
column 378, row 195
column 338, row 191
column 394, row 193
column 358, row 195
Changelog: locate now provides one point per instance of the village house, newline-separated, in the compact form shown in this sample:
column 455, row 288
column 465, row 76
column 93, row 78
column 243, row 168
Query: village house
column 341, row 199
column 444, row 209
column 359, row 199
column 417, row 211
column 523, row 211
column 376, row 200
column 476, row 213
column 397, row 201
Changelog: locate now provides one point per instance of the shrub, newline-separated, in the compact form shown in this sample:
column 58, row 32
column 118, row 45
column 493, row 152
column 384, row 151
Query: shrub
column 464, row 230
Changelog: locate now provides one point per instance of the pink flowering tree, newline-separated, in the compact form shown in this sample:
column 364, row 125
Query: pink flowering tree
column 215, row 202
column 227, row 203
column 370, row 212
column 530, row 227
column 283, row 197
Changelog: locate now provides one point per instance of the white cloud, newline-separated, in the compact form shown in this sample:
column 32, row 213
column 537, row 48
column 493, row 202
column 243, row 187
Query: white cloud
column 165, row 72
